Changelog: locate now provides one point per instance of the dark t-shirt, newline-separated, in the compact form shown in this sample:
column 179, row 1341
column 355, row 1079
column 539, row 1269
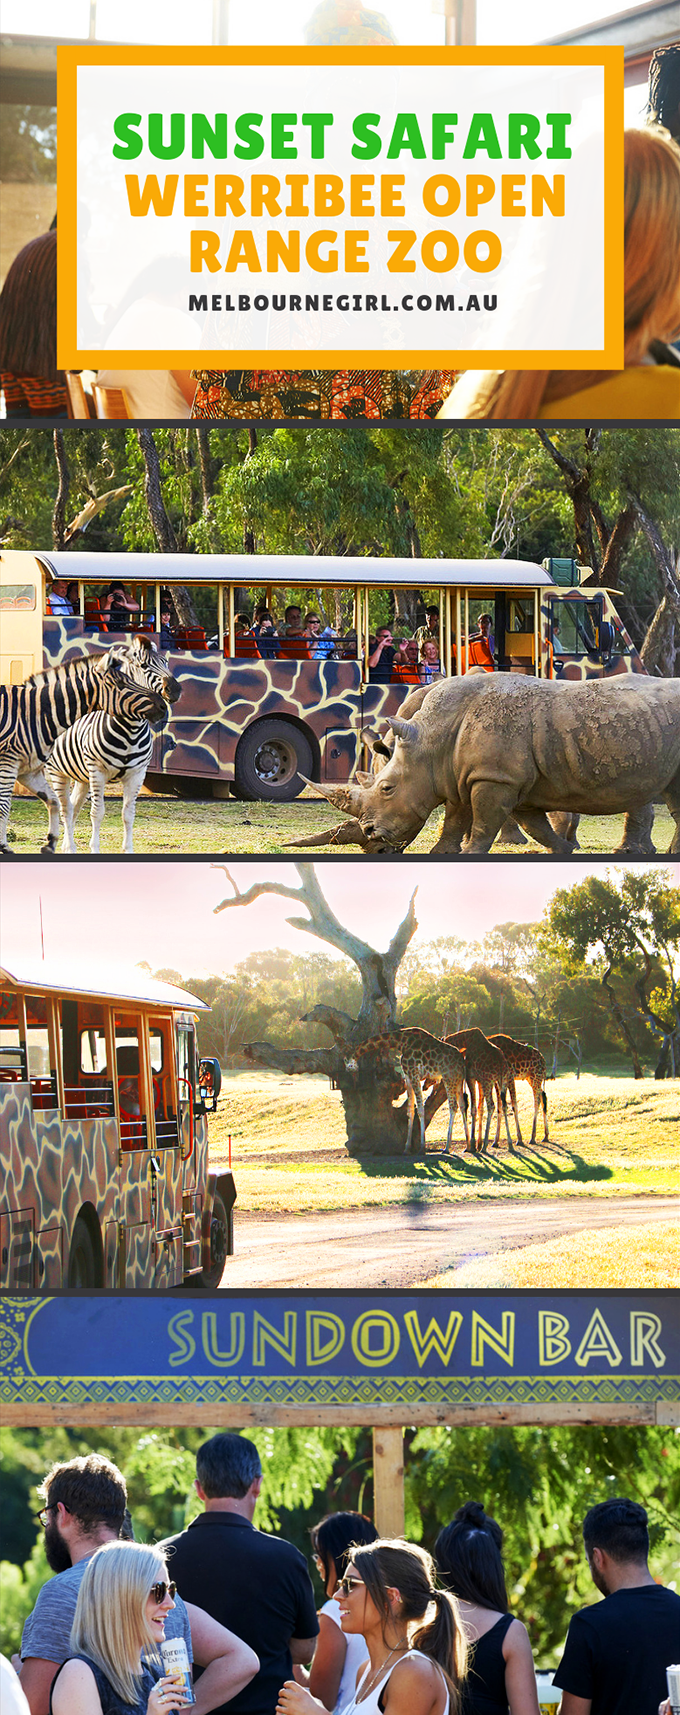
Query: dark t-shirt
column 617, row 1652
column 382, row 672
column 257, row 1585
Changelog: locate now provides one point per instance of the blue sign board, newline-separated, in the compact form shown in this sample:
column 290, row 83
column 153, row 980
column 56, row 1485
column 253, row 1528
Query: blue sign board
column 339, row 1349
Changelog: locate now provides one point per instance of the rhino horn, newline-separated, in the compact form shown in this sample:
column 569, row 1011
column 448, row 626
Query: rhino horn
column 347, row 798
column 406, row 730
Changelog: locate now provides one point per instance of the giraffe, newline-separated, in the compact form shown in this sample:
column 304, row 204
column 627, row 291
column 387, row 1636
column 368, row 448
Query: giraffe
column 484, row 1066
column 414, row 1053
column 525, row 1062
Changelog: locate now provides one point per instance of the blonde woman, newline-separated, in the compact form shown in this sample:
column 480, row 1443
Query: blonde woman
column 119, row 1625
column 413, row 1634
column 649, row 386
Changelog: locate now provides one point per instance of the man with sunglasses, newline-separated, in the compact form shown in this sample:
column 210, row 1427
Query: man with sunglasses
column 85, row 1506
column 255, row 1584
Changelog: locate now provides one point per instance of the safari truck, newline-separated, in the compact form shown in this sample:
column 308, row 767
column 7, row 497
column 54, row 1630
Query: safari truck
column 104, row 1134
column 257, row 713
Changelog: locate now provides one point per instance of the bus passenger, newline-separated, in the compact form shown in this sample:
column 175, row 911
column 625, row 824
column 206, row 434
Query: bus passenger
column 265, row 632
column 321, row 643
column 381, row 657
column 117, row 607
column 292, row 622
column 429, row 663
column 167, row 637
column 430, row 630
column 73, row 596
column 484, row 632
column 57, row 599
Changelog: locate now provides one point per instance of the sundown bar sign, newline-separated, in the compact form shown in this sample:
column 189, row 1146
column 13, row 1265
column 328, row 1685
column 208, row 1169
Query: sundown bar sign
column 573, row 1355
column 329, row 208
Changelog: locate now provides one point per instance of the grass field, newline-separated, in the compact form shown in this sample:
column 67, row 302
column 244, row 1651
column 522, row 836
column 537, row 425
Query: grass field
column 170, row 825
column 610, row 1136
column 632, row 1256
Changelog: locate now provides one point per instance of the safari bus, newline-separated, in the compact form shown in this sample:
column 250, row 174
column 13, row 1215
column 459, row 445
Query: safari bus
column 104, row 1135
column 258, row 714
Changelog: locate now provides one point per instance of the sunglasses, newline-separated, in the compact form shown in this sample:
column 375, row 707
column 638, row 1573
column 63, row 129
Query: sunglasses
column 42, row 1515
column 347, row 1584
column 160, row 1591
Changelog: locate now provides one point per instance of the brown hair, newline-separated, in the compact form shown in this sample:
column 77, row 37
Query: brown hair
column 651, row 285
column 404, row 1566
column 29, row 311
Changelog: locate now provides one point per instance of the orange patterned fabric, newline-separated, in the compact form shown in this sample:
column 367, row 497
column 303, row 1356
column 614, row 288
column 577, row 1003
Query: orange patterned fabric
column 30, row 393
column 331, row 395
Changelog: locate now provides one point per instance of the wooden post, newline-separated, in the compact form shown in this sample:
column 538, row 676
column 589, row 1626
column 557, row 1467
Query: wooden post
column 388, row 1481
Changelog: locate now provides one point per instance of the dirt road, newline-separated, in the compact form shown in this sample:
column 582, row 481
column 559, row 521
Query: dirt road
column 403, row 1246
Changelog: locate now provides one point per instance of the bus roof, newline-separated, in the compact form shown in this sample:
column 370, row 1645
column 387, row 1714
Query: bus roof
column 114, row 984
column 309, row 571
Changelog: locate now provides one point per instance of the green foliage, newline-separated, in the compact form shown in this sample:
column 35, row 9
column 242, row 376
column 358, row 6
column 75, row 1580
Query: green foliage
column 28, row 144
column 473, row 491
column 538, row 1483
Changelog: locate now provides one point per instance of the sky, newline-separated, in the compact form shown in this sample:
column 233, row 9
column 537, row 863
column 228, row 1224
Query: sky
column 126, row 912
column 263, row 21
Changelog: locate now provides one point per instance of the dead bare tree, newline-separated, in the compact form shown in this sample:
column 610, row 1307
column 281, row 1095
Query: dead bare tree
column 374, row 1125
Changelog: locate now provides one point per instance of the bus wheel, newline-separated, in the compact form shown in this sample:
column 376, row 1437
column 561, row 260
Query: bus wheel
column 270, row 758
column 82, row 1262
column 219, row 1243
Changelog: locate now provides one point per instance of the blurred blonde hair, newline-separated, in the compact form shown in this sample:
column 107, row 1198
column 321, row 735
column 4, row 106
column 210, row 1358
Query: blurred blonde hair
column 110, row 1624
column 651, row 289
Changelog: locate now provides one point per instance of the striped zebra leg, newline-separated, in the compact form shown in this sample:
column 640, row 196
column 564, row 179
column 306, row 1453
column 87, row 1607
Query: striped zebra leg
column 98, row 778
column 36, row 782
column 9, row 769
column 132, row 786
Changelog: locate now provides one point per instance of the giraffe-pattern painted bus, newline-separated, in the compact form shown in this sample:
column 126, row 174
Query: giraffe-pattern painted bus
column 104, row 1134
column 256, row 716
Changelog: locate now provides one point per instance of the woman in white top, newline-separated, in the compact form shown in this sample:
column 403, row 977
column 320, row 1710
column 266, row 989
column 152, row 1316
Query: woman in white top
column 413, row 1635
column 338, row 1656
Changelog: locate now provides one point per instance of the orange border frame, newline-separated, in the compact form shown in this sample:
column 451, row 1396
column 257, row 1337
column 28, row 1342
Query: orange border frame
column 70, row 357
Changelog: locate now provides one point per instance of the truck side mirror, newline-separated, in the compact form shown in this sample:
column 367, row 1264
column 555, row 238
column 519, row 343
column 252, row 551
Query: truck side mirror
column 209, row 1082
column 606, row 637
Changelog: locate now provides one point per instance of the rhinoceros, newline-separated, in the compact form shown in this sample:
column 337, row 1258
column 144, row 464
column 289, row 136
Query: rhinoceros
column 492, row 747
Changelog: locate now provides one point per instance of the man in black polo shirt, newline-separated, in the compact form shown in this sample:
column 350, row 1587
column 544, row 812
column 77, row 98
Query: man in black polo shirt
column 261, row 1581
column 617, row 1651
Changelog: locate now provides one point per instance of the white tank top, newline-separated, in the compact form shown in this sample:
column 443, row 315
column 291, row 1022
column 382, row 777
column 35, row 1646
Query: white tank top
column 370, row 1704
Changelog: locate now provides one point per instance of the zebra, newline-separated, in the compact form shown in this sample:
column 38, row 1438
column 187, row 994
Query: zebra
column 107, row 746
column 33, row 714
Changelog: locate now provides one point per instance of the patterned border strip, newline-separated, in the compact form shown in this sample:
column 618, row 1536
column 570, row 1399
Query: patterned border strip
column 337, row 1391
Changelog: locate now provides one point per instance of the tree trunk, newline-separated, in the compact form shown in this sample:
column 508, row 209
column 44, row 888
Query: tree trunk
column 374, row 1125
column 577, row 480
column 623, row 1027
column 59, row 514
column 659, row 650
column 161, row 524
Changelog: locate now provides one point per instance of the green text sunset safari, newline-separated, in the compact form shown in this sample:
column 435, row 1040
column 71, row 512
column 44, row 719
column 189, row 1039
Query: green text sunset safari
column 173, row 135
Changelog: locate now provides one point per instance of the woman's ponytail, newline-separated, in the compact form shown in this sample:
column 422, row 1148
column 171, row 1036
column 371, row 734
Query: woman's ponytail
column 443, row 1640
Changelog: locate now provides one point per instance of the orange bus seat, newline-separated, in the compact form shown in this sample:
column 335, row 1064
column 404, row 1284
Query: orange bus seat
column 295, row 649
column 190, row 637
column 479, row 654
column 402, row 675
column 245, row 648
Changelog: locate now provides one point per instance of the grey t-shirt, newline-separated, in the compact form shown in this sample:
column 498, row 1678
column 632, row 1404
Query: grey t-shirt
column 47, row 1630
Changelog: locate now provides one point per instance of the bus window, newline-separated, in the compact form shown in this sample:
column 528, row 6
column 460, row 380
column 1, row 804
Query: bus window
column 293, row 625
column 42, row 1072
column 12, row 1050
column 573, row 627
column 521, row 614
column 186, row 1061
column 133, row 1121
column 15, row 596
